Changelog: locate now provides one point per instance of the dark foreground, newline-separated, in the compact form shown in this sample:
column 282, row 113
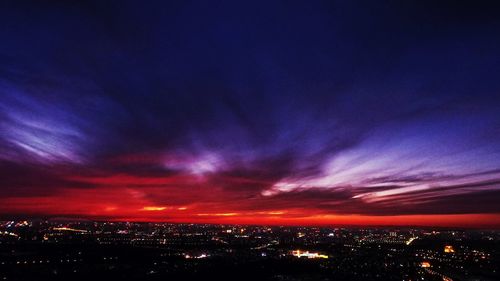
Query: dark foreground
column 120, row 251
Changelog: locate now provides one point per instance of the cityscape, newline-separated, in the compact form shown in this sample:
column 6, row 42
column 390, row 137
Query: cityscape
column 276, row 140
column 81, row 250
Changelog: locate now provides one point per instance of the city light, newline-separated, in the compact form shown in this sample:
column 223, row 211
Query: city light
column 425, row 264
column 449, row 249
column 69, row 229
column 309, row 255
column 250, row 140
column 169, row 249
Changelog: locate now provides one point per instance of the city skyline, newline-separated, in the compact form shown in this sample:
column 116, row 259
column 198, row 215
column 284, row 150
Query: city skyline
column 82, row 250
column 331, row 113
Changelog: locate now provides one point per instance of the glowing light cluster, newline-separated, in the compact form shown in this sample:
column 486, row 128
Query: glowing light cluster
column 309, row 255
column 425, row 264
column 200, row 256
column 70, row 229
column 449, row 249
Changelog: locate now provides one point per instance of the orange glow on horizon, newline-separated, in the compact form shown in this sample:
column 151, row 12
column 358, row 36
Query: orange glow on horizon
column 131, row 205
column 276, row 213
column 218, row 215
column 154, row 208
column 476, row 220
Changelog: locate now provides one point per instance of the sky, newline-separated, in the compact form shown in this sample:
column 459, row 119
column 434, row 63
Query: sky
column 252, row 112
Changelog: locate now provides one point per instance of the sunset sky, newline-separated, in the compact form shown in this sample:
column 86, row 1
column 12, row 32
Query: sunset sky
column 260, row 112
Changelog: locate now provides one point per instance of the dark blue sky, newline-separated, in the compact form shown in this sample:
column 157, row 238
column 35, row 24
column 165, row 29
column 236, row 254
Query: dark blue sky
column 335, row 107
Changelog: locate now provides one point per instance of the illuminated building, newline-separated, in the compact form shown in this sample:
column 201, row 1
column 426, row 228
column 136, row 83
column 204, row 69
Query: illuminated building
column 309, row 255
column 201, row 256
column 449, row 249
column 425, row 264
